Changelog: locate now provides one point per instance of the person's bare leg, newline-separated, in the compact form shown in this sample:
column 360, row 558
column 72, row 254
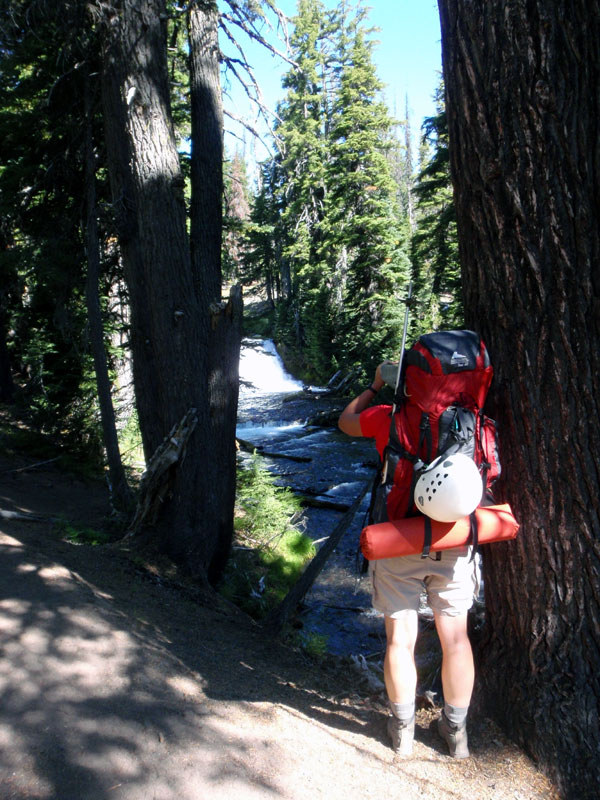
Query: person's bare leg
column 399, row 665
column 458, row 671
column 458, row 675
column 401, row 680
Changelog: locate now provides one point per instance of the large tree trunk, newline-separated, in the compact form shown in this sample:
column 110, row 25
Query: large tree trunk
column 207, row 148
column 206, row 234
column 522, row 82
column 173, row 311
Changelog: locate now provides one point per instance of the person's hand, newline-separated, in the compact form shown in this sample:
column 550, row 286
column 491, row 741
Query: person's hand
column 388, row 372
column 378, row 382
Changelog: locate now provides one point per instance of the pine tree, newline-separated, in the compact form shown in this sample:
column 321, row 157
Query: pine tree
column 437, row 278
column 55, row 255
column 41, row 186
column 260, row 249
column 236, row 212
column 366, row 257
column 301, row 169
column 400, row 157
column 343, row 240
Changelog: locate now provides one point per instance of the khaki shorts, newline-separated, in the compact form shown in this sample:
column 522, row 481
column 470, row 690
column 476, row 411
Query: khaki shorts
column 451, row 584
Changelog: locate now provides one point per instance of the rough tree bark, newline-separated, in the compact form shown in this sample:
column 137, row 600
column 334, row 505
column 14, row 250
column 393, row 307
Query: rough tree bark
column 523, row 103
column 176, row 310
column 207, row 147
column 206, row 234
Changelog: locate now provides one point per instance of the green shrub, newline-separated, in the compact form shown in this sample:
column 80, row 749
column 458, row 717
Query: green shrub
column 130, row 442
column 80, row 535
column 315, row 644
column 259, row 325
column 270, row 550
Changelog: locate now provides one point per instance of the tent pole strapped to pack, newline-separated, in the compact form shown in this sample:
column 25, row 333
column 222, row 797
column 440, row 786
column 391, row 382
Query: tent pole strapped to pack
column 407, row 301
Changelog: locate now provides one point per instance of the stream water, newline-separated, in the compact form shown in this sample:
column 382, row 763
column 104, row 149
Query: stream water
column 274, row 414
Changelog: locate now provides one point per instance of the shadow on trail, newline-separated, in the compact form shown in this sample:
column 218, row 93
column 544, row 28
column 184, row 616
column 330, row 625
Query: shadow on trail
column 108, row 684
column 113, row 686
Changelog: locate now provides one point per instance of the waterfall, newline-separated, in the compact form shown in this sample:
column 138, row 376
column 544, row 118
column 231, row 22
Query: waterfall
column 319, row 463
column 262, row 370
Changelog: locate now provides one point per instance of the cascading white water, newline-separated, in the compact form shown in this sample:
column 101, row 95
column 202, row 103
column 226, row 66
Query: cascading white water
column 262, row 370
column 316, row 462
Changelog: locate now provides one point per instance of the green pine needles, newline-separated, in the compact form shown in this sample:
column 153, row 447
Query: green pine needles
column 333, row 221
column 434, row 245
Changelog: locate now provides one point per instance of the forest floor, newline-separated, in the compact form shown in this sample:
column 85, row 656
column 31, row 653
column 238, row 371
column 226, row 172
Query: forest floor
column 116, row 684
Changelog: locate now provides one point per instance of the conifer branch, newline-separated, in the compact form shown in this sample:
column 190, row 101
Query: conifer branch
column 254, row 93
column 250, row 128
column 253, row 34
column 246, row 23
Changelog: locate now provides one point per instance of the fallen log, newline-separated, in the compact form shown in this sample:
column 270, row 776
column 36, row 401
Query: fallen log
column 315, row 502
column 31, row 466
column 24, row 516
column 248, row 447
column 325, row 419
column 274, row 622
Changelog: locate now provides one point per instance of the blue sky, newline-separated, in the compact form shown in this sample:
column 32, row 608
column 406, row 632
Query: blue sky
column 407, row 56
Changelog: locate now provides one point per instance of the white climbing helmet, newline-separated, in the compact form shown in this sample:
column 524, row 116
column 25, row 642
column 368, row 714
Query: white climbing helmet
column 449, row 489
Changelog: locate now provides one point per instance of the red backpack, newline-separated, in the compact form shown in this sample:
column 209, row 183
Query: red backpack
column 439, row 411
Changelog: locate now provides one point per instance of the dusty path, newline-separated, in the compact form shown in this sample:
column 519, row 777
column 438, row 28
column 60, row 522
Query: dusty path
column 115, row 686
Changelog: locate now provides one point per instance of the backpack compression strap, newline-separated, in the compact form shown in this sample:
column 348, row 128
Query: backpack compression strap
column 473, row 538
column 427, row 540
column 474, row 535
column 485, row 464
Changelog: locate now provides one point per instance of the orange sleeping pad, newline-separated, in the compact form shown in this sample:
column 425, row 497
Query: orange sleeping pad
column 403, row 537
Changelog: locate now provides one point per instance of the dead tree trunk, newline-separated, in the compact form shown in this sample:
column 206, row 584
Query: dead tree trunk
column 275, row 621
column 523, row 105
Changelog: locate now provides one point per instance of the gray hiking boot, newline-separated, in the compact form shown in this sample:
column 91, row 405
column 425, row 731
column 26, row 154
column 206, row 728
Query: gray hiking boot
column 455, row 736
column 402, row 735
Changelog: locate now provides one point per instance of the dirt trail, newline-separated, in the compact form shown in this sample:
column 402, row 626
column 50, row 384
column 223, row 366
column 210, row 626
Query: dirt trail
column 115, row 685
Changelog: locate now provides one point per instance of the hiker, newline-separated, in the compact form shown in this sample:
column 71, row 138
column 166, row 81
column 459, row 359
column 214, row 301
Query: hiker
column 451, row 581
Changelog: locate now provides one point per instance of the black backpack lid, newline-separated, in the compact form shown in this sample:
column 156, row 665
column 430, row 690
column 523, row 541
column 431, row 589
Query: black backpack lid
column 455, row 350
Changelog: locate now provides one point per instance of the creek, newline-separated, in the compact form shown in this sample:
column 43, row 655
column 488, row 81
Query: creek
column 275, row 413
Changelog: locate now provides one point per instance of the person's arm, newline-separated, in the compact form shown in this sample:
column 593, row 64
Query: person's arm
column 349, row 421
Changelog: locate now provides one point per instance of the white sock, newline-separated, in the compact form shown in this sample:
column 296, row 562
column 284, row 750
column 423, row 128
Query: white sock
column 454, row 714
column 403, row 711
